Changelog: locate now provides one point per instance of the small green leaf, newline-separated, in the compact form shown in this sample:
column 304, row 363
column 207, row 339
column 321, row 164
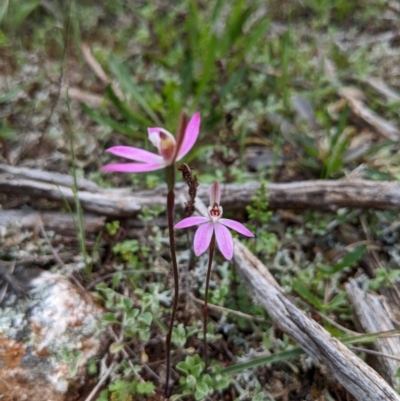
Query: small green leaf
column 222, row 381
column 202, row 390
column 146, row 388
column 336, row 302
column 306, row 294
column 351, row 258
column 11, row 93
column 116, row 347
column 145, row 318
column 191, row 381
column 103, row 396
column 109, row 317
column 183, row 367
column 179, row 335
column 128, row 303
column 348, row 260
column 197, row 369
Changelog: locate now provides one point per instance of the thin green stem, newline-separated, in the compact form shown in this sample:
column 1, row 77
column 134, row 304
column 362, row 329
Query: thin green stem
column 170, row 176
column 205, row 308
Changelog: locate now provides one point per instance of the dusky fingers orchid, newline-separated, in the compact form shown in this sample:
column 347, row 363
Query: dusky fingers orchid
column 170, row 150
column 211, row 228
column 214, row 224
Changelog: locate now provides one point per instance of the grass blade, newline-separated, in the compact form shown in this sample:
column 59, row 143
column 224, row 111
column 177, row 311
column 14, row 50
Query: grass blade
column 123, row 75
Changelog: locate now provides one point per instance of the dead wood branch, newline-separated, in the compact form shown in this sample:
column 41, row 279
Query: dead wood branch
column 383, row 89
column 44, row 176
column 357, row 106
column 90, row 99
column 61, row 223
column 328, row 195
column 98, row 70
column 354, row 374
column 371, row 314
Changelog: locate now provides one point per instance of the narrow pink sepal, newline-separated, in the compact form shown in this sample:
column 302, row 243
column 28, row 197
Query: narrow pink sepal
column 235, row 225
column 191, row 221
column 224, row 240
column 191, row 134
column 132, row 167
column 215, row 194
column 202, row 238
column 137, row 154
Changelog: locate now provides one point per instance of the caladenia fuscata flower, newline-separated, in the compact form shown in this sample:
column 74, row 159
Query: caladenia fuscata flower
column 170, row 150
column 215, row 225
column 212, row 228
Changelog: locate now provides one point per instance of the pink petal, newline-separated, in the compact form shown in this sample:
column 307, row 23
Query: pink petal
column 191, row 221
column 202, row 238
column 224, row 240
column 191, row 134
column 239, row 227
column 132, row 167
column 137, row 154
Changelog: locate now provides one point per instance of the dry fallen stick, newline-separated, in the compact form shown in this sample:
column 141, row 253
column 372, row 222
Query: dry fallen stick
column 98, row 70
column 353, row 373
column 59, row 222
column 357, row 106
column 90, row 99
column 328, row 195
column 371, row 314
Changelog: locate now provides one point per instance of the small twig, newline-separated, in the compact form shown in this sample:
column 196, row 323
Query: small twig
column 372, row 352
column 98, row 70
column 126, row 356
column 94, row 64
column 53, row 251
column 59, row 260
column 231, row 311
column 110, row 275
column 374, row 254
column 337, row 325
column 103, row 378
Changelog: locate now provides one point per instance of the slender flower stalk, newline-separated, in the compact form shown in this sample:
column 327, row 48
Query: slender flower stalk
column 205, row 307
column 212, row 228
column 170, row 178
column 170, row 150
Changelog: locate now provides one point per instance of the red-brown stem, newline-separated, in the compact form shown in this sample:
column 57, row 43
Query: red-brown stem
column 170, row 213
column 170, row 179
column 205, row 308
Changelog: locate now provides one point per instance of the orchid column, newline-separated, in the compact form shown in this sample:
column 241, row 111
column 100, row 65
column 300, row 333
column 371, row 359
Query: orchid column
column 170, row 150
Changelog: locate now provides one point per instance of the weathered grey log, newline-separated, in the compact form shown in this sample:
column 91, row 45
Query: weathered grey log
column 328, row 195
column 354, row 374
column 46, row 176
column 372, row 315
column 55, row 221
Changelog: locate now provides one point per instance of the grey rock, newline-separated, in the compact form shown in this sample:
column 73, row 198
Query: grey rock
column 46, row 339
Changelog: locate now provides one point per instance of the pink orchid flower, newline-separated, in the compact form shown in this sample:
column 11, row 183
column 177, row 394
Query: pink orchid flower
column 166, row 145
column 214, row 224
